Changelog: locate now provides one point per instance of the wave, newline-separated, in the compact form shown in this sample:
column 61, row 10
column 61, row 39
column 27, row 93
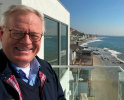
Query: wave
column 91, row 41
column 115, row 54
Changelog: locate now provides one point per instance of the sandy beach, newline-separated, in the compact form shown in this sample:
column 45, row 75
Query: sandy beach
column 97, row 57
column 103, row 56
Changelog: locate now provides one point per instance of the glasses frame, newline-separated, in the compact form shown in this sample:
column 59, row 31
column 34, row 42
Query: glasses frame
column 25, row 33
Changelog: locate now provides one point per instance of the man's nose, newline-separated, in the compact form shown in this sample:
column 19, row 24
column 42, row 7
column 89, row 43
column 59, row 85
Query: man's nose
column 26, row 39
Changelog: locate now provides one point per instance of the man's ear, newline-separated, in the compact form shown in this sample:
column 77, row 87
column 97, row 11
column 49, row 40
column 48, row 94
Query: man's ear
column 1, row 33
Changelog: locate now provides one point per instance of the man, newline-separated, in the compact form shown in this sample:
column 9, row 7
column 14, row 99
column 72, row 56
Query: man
column 24, row 76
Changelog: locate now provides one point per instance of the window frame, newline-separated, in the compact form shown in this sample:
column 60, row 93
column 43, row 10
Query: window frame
column 59, row 39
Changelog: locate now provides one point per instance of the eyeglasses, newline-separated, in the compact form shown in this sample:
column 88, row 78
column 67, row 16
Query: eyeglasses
column 16, row 34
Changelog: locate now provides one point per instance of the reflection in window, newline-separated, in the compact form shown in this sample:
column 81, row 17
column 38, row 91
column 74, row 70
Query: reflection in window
column 55, row 42
column 63, row 53
column 51, row 42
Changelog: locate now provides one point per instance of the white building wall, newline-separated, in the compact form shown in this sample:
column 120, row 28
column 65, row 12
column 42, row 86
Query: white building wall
column 52, row 8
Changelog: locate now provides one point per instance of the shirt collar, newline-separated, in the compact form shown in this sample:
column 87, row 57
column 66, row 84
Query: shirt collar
column 34, row 66
column 35, row 63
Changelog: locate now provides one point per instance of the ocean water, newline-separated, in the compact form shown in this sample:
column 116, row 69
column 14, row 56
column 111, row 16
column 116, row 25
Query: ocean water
column 51, row 49
column 114, row 44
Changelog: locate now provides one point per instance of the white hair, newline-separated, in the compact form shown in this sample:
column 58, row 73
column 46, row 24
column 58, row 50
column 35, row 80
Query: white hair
column 26, row 9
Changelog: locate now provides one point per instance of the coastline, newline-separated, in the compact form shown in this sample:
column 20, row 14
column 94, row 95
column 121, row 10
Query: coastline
column 105, row 76
column 102, row 57
column 88, row 55
column 106, row 58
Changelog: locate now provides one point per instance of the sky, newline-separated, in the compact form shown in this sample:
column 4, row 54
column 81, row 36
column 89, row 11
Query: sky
column 101, row 17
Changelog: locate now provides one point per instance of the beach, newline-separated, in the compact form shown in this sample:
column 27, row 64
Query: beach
column 102, row 57
column 89, row 50
column 106, row 51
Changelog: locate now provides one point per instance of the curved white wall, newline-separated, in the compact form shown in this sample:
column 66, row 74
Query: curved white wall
column 52, row 8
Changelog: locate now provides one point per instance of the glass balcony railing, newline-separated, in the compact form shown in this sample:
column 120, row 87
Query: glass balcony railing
column 91, row 83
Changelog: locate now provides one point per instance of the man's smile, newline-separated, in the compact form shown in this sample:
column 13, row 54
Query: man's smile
column 22, row 49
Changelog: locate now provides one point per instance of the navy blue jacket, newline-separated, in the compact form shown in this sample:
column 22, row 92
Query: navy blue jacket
column 9, row 89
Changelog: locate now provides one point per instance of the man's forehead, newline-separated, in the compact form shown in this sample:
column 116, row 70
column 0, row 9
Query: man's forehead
column 19, row 14
column 21, row 17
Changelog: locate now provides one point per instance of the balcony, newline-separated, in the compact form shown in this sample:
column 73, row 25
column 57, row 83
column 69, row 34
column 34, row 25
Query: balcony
column 91, row 82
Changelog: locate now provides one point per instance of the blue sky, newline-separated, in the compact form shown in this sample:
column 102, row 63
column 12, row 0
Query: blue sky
column 104, row 17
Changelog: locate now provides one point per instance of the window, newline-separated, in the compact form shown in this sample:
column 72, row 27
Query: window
column 55, row 42
column 51, row 42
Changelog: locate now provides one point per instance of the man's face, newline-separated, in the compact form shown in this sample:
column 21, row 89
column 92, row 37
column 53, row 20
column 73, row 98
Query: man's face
column 21, row 51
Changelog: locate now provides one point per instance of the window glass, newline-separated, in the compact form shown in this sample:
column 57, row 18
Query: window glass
column 51, row 41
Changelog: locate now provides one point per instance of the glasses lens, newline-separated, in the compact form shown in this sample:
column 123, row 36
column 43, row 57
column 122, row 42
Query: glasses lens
column 35, row 36
column 17, row 34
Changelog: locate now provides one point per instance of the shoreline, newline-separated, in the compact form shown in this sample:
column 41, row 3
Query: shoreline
column 105, row 57
column 99, row 56
column 102, row 57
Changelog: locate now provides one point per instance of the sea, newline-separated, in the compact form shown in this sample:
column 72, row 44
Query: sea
column 114, row 44
column 52, row 47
